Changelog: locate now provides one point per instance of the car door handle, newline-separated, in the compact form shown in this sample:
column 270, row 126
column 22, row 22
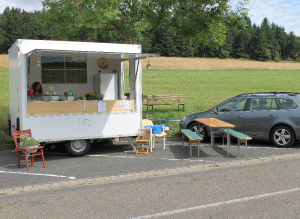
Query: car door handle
column 271, row 116
column 239, row 116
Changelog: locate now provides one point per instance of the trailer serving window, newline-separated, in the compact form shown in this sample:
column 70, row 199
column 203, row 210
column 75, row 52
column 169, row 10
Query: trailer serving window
column 78, row 71
column 64, row 70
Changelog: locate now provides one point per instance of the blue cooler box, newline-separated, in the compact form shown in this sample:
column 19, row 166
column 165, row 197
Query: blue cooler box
column 156, row 129
column 149, row 127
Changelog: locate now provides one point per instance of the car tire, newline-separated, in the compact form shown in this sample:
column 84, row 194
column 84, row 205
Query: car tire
column 282, row 136
column 78, row 147
column 194, row 127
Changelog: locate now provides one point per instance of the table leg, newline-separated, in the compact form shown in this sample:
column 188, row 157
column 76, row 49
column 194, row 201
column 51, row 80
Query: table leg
column 228, row 139
column 190, row 148
column 212, row 138
column 238, row 147
column 223, row 140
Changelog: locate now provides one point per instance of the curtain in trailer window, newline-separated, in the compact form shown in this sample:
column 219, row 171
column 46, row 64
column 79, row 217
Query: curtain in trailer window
column 64, row 70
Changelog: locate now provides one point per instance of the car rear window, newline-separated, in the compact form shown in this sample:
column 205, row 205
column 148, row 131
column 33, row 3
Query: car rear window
column 287, row 104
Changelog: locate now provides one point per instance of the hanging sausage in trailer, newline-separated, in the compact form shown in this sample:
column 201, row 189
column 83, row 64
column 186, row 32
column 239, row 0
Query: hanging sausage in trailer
column 81, row 96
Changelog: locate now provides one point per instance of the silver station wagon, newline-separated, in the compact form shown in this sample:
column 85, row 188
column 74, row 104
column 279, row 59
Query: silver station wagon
column 271, row 116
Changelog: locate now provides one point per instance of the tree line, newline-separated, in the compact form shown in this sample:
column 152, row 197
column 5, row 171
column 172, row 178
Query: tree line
column 265, row 42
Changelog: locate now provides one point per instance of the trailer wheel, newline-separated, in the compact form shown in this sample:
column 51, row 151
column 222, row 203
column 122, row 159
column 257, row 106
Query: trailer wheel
column 78, row 147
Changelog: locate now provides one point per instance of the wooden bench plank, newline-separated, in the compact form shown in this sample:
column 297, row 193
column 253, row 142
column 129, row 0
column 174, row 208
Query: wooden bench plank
column 152, row 104
column 161, row 99
column 164, row 95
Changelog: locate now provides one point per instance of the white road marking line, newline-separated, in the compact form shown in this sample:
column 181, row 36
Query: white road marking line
column 173, row 159
column 217, row 204
column 39, row 174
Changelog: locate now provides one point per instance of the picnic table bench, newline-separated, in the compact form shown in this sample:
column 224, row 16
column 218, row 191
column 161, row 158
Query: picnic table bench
column 215, row 125
column 241, row 137
column 163, row 97
column 193, row 137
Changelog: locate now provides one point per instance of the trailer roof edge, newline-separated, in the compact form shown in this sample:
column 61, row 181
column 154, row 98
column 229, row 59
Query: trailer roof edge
column 140, row 55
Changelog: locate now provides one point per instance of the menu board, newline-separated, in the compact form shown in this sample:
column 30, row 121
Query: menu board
column 125, row 105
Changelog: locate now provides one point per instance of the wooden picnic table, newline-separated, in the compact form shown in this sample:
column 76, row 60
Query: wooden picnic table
column 215, row 125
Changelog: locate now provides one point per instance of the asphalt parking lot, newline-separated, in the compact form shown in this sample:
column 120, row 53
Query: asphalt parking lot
column 106, row 159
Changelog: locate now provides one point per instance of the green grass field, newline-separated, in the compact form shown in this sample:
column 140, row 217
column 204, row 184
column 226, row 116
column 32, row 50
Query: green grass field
column 4, row 106
column 204, row 89
column 201, row 89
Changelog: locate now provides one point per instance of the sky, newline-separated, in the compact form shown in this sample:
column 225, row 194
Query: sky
column 284, row 13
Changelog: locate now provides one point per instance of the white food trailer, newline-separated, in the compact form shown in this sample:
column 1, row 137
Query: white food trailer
column 80, row 67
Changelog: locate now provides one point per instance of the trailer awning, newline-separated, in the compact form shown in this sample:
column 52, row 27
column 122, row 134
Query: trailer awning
column 124, row 56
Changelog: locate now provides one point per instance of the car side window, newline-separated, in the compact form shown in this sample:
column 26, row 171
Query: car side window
column 232, row 105
column 287, row 104
column 263, row 104
column 274, row 105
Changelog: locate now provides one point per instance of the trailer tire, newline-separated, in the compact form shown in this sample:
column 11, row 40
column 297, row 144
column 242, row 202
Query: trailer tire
column 78, row 147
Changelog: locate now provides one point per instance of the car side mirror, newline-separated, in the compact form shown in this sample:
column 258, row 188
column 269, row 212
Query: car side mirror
column 215, row 110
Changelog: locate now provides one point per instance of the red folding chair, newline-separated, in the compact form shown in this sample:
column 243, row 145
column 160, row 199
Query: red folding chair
column 16, row 135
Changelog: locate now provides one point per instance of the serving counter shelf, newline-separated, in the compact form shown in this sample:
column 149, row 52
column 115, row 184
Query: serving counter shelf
column 51, row 98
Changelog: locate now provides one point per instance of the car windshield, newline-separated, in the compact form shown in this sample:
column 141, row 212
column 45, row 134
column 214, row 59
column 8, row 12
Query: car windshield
column 232, row 105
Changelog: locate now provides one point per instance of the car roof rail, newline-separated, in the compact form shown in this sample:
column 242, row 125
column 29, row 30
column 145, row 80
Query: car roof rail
column 269, row 93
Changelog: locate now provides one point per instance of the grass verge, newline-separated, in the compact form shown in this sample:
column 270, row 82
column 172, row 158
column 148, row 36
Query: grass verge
column 204, row 89
column 4, row 107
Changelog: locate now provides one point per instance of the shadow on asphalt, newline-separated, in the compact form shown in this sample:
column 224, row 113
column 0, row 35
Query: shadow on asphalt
column 174, row 150
column 109, row 148
column 105, row 158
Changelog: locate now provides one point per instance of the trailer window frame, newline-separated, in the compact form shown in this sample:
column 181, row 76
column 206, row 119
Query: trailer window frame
column 61, row 69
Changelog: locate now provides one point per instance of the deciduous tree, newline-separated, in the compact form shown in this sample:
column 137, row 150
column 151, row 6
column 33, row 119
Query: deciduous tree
column 197, row 21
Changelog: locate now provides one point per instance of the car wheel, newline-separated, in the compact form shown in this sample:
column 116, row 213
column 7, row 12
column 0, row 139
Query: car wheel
column 194, row 127
column 77, row 147
column 282, row 136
